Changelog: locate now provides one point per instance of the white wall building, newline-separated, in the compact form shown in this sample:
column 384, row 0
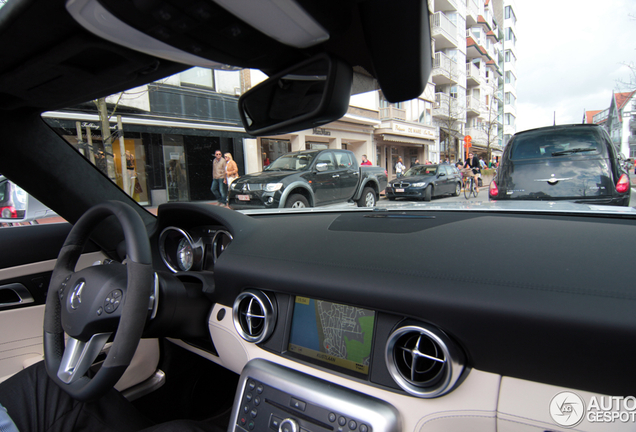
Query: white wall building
column 510, row 70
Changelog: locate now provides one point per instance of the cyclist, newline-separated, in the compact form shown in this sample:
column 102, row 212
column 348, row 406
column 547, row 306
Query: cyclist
column 472, row 162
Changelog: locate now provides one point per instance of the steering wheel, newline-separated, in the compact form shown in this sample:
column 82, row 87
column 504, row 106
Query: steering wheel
column 92, row 304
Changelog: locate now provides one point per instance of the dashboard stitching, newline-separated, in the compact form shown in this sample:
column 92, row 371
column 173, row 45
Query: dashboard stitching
column 453, row 277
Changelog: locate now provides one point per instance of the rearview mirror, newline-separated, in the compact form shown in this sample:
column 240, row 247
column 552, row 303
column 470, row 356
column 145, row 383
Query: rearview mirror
column 310, row 94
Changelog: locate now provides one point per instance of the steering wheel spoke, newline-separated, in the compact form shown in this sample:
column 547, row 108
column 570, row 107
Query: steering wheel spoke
column 79, row 356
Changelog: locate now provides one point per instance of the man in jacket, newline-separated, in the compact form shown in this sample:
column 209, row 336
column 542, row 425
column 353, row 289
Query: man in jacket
column 218, row 177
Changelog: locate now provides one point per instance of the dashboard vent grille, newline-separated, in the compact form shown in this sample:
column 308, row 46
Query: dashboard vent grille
column 254, row 315
column 423, row 360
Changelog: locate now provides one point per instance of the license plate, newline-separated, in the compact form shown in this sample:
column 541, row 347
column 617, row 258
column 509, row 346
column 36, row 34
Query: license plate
column 399, row 190
column 243, row 197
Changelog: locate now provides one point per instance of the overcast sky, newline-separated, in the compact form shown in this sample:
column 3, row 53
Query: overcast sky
column 569, row 57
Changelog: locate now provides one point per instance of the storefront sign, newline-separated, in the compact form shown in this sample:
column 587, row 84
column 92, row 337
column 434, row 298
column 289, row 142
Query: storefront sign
column 174, row 156
column 322, row 131
column 96, row 126
column 414, row 131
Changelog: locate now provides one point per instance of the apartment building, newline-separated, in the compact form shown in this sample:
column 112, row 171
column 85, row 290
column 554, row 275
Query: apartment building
column 468, row 76
column 509, row 70
column 620, row 122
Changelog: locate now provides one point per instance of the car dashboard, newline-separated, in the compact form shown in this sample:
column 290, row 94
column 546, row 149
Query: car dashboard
column 392, row 310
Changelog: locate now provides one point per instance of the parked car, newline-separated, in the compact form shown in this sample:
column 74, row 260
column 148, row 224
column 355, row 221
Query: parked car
column 12, row 200
column 425, row 182
column 309, row 178
column 568, row 162
column 331, row 319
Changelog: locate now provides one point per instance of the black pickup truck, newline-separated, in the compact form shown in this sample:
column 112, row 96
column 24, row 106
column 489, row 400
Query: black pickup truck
column 309, row 178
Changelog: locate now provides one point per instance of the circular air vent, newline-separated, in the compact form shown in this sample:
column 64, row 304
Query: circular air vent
column 423, row 360
column 254, row 315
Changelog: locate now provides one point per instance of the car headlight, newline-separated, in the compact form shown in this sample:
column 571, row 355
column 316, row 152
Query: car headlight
column 420, row 184
column 235, row 186
column 273, row 187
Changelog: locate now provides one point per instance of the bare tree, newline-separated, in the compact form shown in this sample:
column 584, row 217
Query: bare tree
column 628, row 84
column 491, row 124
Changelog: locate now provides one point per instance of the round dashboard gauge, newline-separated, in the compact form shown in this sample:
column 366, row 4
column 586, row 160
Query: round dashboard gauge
column 179, row 251
column 222, row 239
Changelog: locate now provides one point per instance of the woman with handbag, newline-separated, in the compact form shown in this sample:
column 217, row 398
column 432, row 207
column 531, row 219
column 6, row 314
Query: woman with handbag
column 231, row 172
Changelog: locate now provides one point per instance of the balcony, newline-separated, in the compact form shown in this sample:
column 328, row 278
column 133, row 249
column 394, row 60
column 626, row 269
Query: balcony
column 472, row 12
column 446, row 5
column 392, row 113
column 600, row 117
column 631, row 139
column 479, row 136
column 473, row 75
column 447, row 107
column 444, row 70
column 444, row 31
column 473, row 107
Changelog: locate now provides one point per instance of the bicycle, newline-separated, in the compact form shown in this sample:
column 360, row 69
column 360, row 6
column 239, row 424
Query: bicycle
column 469, row 186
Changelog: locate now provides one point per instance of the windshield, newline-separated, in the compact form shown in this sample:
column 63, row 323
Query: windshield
column 421, row 171
column 292, row 162
column 166, row 141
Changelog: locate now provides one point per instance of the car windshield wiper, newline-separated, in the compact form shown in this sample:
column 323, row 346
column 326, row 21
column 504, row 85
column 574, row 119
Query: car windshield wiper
column 577, row 150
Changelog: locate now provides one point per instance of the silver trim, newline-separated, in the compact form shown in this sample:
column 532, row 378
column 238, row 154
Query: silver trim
column 154, row 298
column 79, row 356
column 379, row 415
column 196, row 246
column 215, row 239
column 451, row 357
column 267, row 314
column 24, row 296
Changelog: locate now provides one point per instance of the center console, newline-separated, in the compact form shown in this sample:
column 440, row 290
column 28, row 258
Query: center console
column 274, row 398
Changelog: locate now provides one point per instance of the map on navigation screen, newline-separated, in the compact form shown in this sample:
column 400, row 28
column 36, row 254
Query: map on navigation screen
column 334, row 333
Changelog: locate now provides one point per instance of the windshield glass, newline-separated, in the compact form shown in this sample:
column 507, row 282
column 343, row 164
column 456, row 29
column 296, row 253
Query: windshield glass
column 292, row 162
column 421, row 171
column 166, row 141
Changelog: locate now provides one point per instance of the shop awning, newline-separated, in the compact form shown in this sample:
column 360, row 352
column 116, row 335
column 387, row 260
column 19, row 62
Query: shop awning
column 407, row 140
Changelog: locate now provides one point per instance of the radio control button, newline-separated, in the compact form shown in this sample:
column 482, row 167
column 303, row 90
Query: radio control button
column 342, row 421
column 352, row 425
column 298, row 404
column 254, row 413
column 257, row 401
column 289, row 425
column 364, row 428
column 248, row 397
column 274, row 422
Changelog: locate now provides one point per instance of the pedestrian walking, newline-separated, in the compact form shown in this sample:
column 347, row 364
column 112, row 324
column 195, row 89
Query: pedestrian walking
column 399, row 168
column 218, row 178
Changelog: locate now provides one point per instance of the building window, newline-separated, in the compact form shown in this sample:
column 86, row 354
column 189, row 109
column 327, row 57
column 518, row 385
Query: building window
column 510, row 36
column 273, row 149
column 510, row 78
column 509, row 119
column 510, row 14
column 197, row 77
column 510, row 99
column 510, row 57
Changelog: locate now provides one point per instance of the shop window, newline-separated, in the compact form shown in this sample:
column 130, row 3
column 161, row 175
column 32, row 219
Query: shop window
column 273, row 149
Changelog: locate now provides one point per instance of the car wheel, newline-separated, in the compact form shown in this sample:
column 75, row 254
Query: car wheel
column 428, row 193
column 458, row 189
column 367, row 199
column 296, row 201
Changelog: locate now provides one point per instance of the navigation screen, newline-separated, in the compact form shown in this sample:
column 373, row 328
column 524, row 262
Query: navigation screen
column 332, row 333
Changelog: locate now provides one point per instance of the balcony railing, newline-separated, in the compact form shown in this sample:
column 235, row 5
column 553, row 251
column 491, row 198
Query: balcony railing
column 631, row 139
column 601, row 116
column 444, row 67
column 473, row 73
column 442, row 26
column 473, row 9
column 447, row 106
column 478, row 135
column 392, row 113
column 473, row 104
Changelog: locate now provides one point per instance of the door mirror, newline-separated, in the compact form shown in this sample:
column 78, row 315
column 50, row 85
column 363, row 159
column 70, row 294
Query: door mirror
column 321, row 167
column 307, row 95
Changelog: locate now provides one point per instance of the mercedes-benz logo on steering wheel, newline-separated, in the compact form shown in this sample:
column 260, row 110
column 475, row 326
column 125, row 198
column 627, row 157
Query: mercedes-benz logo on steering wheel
column 76, row 296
